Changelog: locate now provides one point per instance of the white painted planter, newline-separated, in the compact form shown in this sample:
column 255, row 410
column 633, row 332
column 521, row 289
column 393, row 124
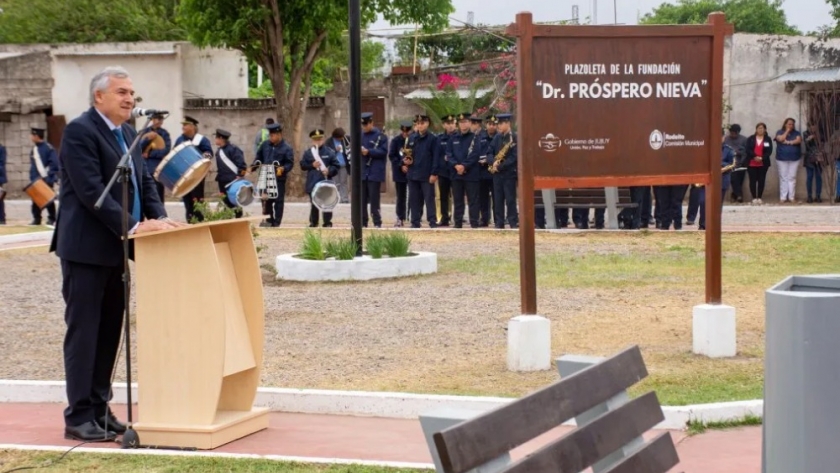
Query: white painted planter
column 364, row 268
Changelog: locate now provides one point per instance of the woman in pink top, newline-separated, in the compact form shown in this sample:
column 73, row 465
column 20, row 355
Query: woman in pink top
column 759, row 148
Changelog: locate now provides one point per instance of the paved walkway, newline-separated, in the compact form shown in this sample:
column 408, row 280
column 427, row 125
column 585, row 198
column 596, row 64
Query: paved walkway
column 377, row 439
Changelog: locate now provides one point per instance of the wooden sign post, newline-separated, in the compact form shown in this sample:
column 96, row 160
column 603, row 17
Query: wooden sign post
column 604, row 106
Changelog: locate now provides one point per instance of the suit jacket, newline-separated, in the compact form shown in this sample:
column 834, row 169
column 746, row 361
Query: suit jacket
column 88, row 158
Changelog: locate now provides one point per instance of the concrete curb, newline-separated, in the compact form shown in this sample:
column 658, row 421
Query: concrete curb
column 26, row 237
column 365, row 268
column 210, row 454
column 380, row 404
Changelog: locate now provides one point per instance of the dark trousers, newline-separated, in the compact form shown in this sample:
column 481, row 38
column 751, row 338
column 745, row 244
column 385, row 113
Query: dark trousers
column 757, row 177
column 504, row 201
column 669, row 201
column 581, row 218
column 227, row 202
column 469, row 190
column 642, row 198
column 420, row 192
column 94, row 316
column 314, row 215
column 738, row 179
column 402, row 200
column 195, row 195
column 274, row 207
column 693, row 204
column 561, row 217
column 3, row 209
column 370, row 193
column 36, row 211
column 702, row 198
column 814, row 174
column 161, row 191
column 485, row 201
column 445, row 188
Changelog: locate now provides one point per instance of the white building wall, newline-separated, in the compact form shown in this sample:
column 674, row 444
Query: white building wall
column 214, row 73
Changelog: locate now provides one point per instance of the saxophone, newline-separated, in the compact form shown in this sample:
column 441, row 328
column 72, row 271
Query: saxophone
column 500, row 156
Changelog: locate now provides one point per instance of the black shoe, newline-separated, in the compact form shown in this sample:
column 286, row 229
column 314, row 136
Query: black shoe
column 818, row 200
column 114, row 424
column 89, row 432
column 2, row 222
column 810, row 200
column 35, row 223
column 328, row 225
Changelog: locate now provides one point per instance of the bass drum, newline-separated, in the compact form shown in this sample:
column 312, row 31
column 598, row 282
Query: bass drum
column 325, row 196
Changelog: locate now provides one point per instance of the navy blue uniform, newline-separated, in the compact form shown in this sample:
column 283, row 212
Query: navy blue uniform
column 395, row 155
column 446, row 171
column 156, row 156
column 373, row 174
column 426, row 154
column 228, row 172
column 3, row 182
column 314, row 176
column 197, row 194
column 485, row 184
column 669, row 201
column 49, row 161
column 727, row 158
column 462, row 150
column 282, row 157
column 504, row 181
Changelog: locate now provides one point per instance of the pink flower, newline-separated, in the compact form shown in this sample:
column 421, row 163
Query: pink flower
column 483, row 66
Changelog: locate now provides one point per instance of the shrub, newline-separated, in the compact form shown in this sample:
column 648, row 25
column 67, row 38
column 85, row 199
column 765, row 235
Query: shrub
column 209, row 214
column 397, row 244
column 376, row 245
column 342, row 248
column 312, row 247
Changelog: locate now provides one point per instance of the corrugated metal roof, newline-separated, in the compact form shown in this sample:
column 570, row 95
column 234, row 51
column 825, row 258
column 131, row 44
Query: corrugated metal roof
column 826, row 74
column 462, row 93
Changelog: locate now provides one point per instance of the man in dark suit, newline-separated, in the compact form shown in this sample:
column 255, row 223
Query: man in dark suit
column 89, row 244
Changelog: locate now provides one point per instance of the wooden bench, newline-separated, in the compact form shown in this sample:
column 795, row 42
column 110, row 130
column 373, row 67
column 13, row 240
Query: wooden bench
column 474, row 442
column 610, row 198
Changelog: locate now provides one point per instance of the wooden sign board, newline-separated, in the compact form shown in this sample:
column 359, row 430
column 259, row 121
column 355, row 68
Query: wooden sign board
column 605, row 106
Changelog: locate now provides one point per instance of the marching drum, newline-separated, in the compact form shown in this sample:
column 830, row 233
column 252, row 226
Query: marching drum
column 325, row 195
column 40, row 193
column 240, row 192
column 182, row 169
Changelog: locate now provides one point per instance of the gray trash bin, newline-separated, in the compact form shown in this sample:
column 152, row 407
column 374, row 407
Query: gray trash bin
column 802, row 376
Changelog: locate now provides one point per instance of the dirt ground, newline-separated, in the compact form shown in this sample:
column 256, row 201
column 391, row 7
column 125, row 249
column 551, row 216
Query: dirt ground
column 446, row 333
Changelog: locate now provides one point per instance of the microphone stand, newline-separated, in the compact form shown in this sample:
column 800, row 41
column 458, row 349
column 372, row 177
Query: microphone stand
column 130, row 438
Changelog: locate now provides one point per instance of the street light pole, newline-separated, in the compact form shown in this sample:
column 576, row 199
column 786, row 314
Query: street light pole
column 356, row 122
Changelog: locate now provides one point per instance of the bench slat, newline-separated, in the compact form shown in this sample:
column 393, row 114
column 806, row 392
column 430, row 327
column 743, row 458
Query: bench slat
column 586, row 445
column 473, row 443
column 657, row 456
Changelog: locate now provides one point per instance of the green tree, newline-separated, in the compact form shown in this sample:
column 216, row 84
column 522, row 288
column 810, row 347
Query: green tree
column 270, row 32
column 86, row 21
column 457, row 47
column 748, row 16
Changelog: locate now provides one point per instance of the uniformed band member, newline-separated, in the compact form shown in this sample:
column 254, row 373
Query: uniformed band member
column 444, row 187
column 395, row 155
column 727, row 158
column 485, row 183
column 278, row 152
column 189, row 130
column 43, row 164
column 502, row 160
column 319, row 163
column 230, row 165
column 463, row 152
column 262, row 135
column 155, row 156
column 422, row 172
column 3, row 181
column 669, row 200
column 374, row 154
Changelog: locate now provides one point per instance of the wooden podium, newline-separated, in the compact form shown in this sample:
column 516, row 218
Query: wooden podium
column 199, row 335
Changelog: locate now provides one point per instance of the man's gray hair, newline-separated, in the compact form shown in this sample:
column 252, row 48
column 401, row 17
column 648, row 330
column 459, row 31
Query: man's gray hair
column 102, row 78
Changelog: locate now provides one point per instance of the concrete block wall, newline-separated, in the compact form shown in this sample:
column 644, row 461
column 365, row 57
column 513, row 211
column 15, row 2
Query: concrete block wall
column 15, row 136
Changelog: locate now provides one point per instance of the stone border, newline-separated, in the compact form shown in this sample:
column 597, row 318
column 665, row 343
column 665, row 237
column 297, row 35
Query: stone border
column 212, row 454
column 365, row 268
column 26, row 237
column 380, row 404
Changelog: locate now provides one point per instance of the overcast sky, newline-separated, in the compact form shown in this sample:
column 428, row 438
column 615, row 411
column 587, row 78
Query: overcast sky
column 807, row 15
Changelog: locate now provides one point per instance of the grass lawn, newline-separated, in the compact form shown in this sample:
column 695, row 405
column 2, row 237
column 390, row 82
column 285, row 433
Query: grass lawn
column 14, row 229
column 118, row 463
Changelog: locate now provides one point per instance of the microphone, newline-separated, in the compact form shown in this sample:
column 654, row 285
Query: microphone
column 146, row 112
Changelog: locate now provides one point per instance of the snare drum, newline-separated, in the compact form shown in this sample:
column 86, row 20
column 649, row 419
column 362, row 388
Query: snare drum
column 182, row 169
column 40, row 193
column 240, row 192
